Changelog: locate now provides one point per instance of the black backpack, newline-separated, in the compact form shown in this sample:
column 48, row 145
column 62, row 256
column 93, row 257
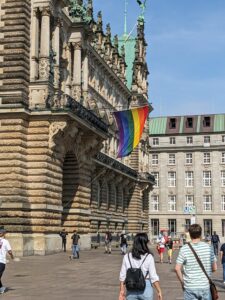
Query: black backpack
column 135, row 280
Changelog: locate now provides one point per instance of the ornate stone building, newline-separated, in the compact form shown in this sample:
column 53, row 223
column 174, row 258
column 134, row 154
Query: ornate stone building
column 61, row 76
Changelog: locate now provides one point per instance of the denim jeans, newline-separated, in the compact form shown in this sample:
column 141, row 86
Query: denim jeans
column 223, row 272
column 75, row 250
column 198, row 294
column 147, row 294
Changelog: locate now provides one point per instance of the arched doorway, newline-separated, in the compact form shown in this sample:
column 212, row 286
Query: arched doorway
column 69, row 190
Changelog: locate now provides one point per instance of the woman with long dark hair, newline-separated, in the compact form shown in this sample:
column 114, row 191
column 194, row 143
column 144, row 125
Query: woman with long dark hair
column 142, row 259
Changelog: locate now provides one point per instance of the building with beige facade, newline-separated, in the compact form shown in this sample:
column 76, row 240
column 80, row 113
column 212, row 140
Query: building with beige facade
column 188, row 161
column 61, row 76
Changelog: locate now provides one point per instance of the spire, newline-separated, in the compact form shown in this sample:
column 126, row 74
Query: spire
column 108, row 33
column 116, row 42
column 99, row 21
column 125, row 17
column 90, row 10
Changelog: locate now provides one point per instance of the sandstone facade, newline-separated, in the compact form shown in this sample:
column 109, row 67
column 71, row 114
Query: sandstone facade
column 61, row 76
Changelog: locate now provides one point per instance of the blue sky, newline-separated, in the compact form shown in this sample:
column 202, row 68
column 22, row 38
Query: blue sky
column 186, row 52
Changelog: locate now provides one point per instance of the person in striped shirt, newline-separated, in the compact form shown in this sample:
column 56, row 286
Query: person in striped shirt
column 193, row 280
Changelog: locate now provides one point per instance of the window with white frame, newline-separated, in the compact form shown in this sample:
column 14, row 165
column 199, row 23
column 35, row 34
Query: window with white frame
column 155, row 141
column 189, row 178
column 154, row 203
column 223, row 138
column 189, row 201
column 155, row 159
column 172, row 159
column 207, row 139
column 223, row 203
column 206, row 159
column 172, row 203
column 206, row 178
column 207, row 203
column 171, row 179
column 222, row 178
column 172, row 141
column 189, row 140
column 223, row 157
column 188, row 158
column 156, row 175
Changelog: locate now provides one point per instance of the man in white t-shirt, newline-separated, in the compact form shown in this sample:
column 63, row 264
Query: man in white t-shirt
column 4, row 249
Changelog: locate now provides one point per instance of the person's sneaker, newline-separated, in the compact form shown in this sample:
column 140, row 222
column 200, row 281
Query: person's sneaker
column 2, row 290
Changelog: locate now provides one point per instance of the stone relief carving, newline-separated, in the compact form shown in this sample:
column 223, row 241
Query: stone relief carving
column 56, row 133
column 44, row 68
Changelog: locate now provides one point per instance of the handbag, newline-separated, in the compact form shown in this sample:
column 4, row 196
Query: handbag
column 213, row 289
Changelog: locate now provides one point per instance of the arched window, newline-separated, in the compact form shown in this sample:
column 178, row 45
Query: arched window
column 122, row 200
column 98, row 194
column 107, row 196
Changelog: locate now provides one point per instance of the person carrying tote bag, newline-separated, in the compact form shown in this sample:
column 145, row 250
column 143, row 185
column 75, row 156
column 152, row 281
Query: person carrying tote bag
column 138, row 274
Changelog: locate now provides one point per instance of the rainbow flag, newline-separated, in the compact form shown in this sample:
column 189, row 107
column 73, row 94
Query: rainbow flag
column 130, row 124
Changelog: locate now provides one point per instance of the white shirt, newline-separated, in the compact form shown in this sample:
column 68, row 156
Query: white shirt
column 4, row 248
column 161, row 241
column 148, row 266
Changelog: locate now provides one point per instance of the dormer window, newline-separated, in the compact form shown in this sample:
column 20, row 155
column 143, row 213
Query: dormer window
column 189, row 123
column 172, row 123
column 206, row 122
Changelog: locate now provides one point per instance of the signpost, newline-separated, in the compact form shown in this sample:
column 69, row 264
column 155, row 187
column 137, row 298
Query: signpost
column 191, row 210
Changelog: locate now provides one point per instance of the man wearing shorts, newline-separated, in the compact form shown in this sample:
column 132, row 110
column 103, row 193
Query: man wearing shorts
column 4, row 249
column 169, row 246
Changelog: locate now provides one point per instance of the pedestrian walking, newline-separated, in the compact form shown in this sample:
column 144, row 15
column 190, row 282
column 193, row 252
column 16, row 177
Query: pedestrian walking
column 193, row 280
column 75, row 245
column 138, row 273
column 169, row 246
column 4, row 249
column 215, row 240
column 63, row 235
column 161, row 247
column 108, row 242
column 123, row 243
column 222, row 257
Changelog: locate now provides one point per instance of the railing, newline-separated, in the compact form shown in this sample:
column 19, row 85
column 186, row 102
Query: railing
column 105, row 159
column 85, row 114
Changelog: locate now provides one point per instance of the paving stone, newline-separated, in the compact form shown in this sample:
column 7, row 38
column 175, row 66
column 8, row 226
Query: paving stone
column 95, row 276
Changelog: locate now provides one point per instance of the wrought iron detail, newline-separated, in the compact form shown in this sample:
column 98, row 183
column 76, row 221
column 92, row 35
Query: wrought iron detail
column 146, row 177
column 111, row 162
column 85, row 114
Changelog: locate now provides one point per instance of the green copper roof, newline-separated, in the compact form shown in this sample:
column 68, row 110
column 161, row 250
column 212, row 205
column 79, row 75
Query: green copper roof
column 219, row 123
column 198, row 123
column 158, row 125
column 181, row 124
column 129, row 45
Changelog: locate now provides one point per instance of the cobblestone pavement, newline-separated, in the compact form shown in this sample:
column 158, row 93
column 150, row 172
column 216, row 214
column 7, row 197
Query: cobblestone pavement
column 94, row 276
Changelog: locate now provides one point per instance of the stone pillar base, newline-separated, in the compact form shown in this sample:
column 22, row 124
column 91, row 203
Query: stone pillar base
column 42, row 244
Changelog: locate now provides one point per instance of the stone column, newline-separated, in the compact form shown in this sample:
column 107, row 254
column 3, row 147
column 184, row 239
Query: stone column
column 34, row 45
column 85, row 80
column 69, row 69
column 76, row 87
column 56, row 48
column 45, row 44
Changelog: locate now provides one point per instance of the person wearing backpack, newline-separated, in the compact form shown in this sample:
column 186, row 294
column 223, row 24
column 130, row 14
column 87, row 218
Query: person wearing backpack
column 138, row 273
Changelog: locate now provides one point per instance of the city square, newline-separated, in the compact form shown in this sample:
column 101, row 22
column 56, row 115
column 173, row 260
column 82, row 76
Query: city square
column 95, row 276
column 112, row 133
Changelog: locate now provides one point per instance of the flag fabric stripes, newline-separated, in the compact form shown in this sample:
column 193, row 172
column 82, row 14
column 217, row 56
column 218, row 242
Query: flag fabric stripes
column 130, row 124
